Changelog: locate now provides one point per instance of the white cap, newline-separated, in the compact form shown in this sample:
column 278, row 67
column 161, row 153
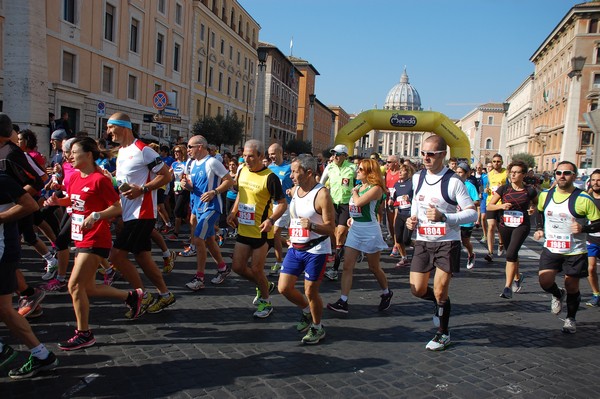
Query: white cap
column 340, row 149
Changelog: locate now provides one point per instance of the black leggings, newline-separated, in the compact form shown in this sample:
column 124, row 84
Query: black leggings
column 403, row 234
column 182, row 202
column 513, row 238
column 63, row 238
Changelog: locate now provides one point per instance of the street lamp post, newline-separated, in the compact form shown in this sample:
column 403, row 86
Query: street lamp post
column 570, row 140
column 259, row 112
column 311, row 117
column 477, row 143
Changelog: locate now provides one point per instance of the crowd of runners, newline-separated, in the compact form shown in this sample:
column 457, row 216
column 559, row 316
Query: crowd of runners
column 102, row 200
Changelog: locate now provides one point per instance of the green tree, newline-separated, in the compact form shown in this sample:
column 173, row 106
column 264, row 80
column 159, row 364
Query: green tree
column 220, row 130
column 525, row 157
column 298, row 147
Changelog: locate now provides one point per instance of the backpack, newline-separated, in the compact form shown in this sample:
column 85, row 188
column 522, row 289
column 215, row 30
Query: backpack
column 572, row 199
column 445, row 181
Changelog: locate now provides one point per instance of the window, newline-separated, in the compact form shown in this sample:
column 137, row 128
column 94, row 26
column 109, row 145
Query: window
column 199, row 72
column 157, row 87
column 132, row 87
column 159, row 48
column 133, row 35
column 176, row 51
column 210, row 76
column 201, row 32
column 174, row 98
column 488, row 144
column 490, row 120
column 228, row 86
column 178, row 12
column 587, row 138
column 161, row 6
column 597, row 55
column 220, row 81
column 238, row 57
column 222, row 46
column 107, row 79
column 212, row 39
column 597, row 81
column 231, row 53
column 593, row 26
column 237, row 88
column 69, row 11
column 68, row 65
column 109, row 22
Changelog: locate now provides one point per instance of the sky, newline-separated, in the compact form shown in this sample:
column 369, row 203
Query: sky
column 458, row 53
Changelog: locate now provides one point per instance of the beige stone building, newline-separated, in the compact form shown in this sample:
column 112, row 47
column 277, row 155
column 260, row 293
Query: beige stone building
column 567, row 85
column 518, row 121
column 97, row 57
column 483, row 125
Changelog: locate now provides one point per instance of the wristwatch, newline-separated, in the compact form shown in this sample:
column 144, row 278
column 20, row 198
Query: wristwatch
column 312, row 226
column 145, row 189
column 444, row 218
column 96, row 216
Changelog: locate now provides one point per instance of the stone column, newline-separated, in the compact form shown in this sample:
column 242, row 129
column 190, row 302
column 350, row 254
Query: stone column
column 25, row 68
column 570, row 139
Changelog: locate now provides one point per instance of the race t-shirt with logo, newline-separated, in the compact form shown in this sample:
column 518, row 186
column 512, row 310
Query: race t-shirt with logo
column 93, row 193
column 520, row 201
column 283, row 172
column 558, row 237
column 495, row 180
column 391, row 177
column 341, row 181
column 430, row 194
column 594, row 238
column 256, row 191
column 206, row 176
column 178, row 168
column 138, row 164
column 472, row 190
column 366, row 213
column 403, row 196
column 304, row 207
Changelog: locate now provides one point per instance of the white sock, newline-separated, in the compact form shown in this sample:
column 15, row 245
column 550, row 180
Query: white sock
column 344, row 298
column 306, row 310
column 166, row 254
column 40, row 352
column 48, row 256
column 386, row 291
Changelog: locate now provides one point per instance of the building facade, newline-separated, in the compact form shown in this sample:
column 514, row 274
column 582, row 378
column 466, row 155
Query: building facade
column 567, row 85
column 518, row 121
column 482, row 126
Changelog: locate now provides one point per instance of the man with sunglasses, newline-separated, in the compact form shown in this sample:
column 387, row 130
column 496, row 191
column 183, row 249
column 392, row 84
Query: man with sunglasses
column 564, row 212
column 341, row 174
column 496, row 177
column 593, row 244
column 440, row 205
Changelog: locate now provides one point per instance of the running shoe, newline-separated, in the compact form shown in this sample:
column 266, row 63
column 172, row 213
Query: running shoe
column 570, row 326
column 395, row 253
column 54, row 285
column 386, row 300
column 500, row 250
column 556, row 304
column 221, row 276
column 188, row 252
column 506, row 293
column 275, row 269
column 146, row 302
column 594, row 302
column 7, row 355
column 220, row 240
column 263, row 309
column 331, row 274
column 471, row 261
column 162, row 303
column 258, row 293
column 403, row 262
column 483, row 239
column 517, row 284
column 439, row 342
column 51, row 268
column 80, row 340
column 313, row 336
column 339, row 306
column 27, row 304
column 166, row 229
column 111, row 277
column 33, row 366
column 169, row 262
column 195, row 284
column 304, row 322
column 135, row 301
column 361, row 257
column 172, row 237
column 489, row 258
column 37, row 312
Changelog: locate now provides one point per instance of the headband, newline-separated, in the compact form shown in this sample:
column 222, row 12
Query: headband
column 118, row 122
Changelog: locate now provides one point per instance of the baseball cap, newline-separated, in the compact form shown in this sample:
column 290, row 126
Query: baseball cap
column 59, row 134
column 464, row 167
column 339, row 149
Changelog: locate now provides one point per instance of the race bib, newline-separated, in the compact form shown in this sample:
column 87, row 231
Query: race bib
column 558, row 243
column 298, row 235
column 403, row 202
column 77, row 227
column 355, row 211
column 246, row 213
column 432, row 229
column 513, row 218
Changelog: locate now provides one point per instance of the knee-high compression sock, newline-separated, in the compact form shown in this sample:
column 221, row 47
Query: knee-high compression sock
column 444, row 308
column 429, row 295
column 573, row 301
column 554, row 290
column 339, row 253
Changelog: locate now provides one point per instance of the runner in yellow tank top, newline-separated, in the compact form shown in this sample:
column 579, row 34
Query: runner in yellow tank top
column 496, row 178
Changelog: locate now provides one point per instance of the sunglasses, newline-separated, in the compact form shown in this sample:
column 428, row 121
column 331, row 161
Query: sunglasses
column 431, row 153
column 390, row 161
column 338, row 154
column 564, row 173
column 192, row 146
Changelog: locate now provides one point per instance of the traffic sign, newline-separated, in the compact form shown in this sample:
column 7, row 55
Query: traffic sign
column 101, row 109
column 167, row 119
column 553, row 160
column 160, row 100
